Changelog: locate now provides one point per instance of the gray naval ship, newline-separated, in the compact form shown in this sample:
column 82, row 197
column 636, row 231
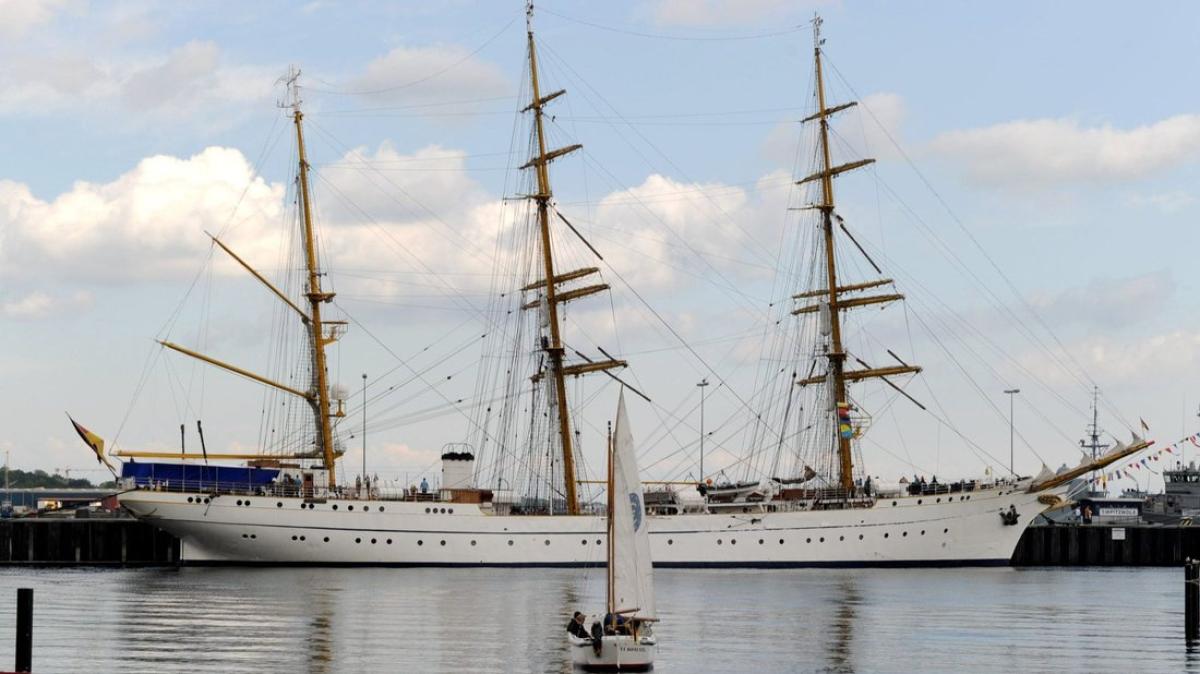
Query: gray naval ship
column 1181, row 498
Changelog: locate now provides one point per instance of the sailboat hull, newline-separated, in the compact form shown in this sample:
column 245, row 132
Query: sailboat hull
column 618, row 653
column 938, row 530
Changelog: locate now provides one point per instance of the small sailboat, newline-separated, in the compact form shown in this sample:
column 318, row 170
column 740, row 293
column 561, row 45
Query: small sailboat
column 623, row 641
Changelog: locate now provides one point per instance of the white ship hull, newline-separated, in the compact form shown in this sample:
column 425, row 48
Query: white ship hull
column 958, row 529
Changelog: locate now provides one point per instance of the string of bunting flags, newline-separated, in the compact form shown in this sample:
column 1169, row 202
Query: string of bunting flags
column 1132, row 469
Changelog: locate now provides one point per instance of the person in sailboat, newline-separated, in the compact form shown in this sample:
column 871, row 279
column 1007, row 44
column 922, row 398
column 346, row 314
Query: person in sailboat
column 576, row 629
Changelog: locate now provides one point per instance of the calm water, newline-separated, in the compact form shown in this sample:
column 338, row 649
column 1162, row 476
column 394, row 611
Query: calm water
column 493, row 620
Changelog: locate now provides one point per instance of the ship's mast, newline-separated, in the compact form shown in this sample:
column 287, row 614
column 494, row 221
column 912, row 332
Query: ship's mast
column 1092, row 442
column 316, row 297
column 554, row 349
column 548, row 285
column 830, row 300
column 611, row 548
column 837, row 357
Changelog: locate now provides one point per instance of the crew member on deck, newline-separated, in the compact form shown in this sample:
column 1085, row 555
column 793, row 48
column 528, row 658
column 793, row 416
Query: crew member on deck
column 576, row 629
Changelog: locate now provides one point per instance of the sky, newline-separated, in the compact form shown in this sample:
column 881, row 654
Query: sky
column 1034, row 196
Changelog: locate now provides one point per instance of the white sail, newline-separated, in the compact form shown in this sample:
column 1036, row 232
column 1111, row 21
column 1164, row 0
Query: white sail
column 631, row 574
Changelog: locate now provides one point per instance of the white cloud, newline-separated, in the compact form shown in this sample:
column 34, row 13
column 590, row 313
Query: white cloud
column 1107, row 302
column 1167, row 203
column 146, row 224
column 192, row 82
column 432, row 73
column 869, row 127
column 723, row 12
column 39, row 304
column 1050, row 152
column 18, row 17
column 653, row 232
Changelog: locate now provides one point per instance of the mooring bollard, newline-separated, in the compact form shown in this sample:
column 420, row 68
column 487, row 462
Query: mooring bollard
column 1191, row 598
column 24, row 630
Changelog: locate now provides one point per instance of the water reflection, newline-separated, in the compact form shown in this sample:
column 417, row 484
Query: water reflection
column 839, row 646
column 501, row 620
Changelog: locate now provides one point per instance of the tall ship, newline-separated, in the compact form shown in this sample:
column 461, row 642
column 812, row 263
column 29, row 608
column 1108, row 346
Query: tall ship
column 515, row 495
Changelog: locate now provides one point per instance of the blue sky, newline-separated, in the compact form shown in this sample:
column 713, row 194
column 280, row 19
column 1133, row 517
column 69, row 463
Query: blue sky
column 1062, row 136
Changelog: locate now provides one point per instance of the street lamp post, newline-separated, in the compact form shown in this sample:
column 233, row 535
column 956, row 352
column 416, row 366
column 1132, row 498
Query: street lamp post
column 702, row 385
column 1011, row 392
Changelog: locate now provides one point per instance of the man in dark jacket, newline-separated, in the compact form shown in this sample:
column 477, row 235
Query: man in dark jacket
column 576, row 629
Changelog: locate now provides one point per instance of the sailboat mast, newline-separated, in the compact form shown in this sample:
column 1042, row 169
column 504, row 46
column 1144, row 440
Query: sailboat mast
column 836, row 355
column 553, row 347
column 611, row 548
column 315, row 299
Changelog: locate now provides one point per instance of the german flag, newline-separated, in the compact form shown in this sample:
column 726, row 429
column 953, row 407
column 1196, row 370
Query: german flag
column 91, row 440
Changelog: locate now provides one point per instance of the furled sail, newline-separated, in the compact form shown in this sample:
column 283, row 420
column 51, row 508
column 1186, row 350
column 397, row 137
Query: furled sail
column 633, row 586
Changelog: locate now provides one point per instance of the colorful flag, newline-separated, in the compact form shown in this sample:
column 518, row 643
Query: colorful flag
column 92, row 440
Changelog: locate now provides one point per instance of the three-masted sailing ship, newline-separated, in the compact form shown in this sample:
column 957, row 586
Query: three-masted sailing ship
column 295, row 512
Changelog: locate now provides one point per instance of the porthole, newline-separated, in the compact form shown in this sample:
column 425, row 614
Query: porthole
column 808, row 540
column 719, row 541
column 547, row 542
column 366, row 508
column 335, row 506
column 903, row 534
column 279, row 504
column 451, row 511
column 427, row 511
column 918, row 501
column 189, row 499
column 860, row 537
column 821, row 539
column 472, row 542
column 583, row 542
column 350, row 507
column 301, row 538
column 510, row 541
column 295, row 538
column 950, row 499
column 359, row 540
column 389, row 541
column 733, row 541
column 922, row 532
column 326, row 539
column 246, row 503
column 239, row 502
column 781, row 541
column 670, row 541
column 420, row 542
column 372, row 541
column 206, row 500
column 245, row 536
column 380, row 508
column 597, row 541
column 253, row 535
column 893, row 504
column 945, row 531
column 760, row 541
column 443, row 511
column 841, row 538
column 939, row 499
column 885, row 534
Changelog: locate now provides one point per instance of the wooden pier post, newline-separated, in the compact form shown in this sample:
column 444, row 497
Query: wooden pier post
column 24, row 630
column 1191, row 598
